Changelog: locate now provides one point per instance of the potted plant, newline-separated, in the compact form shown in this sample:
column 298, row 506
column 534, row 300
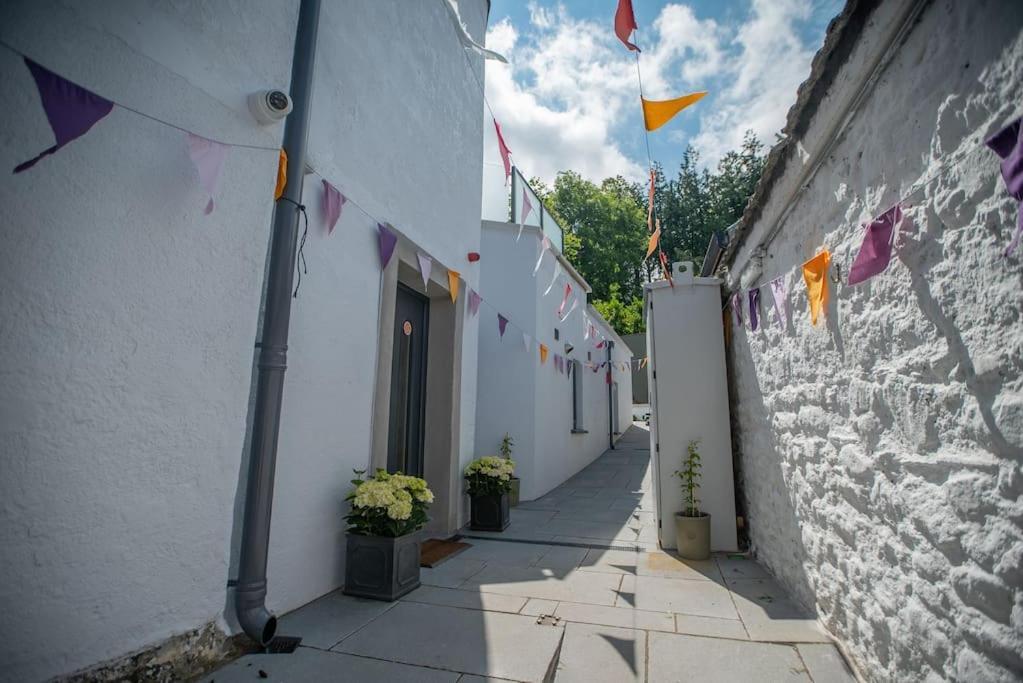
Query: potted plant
column 692, row 527
column 506, row 450
column 387, row 510
column 488, row 481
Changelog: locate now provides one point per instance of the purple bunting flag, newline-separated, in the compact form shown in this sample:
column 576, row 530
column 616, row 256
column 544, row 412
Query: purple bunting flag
column 71, row 109
column 754, row 309
column 876, row 251
column 778, row 292
column 1008, row 145
column 333, row 200
column 388, row 240
column 502, row 323
column 474, row 302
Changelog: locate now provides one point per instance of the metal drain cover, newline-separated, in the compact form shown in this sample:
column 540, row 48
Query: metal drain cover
column 548, row 620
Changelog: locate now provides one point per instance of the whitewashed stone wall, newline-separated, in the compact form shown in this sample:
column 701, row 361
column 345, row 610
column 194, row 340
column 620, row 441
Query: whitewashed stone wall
column 881, row 451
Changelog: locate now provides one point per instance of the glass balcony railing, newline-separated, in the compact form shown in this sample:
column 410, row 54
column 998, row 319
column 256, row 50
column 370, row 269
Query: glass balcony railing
column 502, row 202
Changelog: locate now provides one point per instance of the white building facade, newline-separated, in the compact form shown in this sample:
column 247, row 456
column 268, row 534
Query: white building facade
column 129, row 316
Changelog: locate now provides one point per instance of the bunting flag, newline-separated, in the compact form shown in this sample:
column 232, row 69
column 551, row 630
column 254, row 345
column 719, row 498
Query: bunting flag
column 600, row 344
column 425, row 266
column 474, row 302
column 453, row 284
column 568, row 369
column 557, row 363
column 575, row 302
column 643, row 361
column 527, row 208
column 780, row 306
column 1008, row 145
column 595, row 367
column 464, row 37
column 876, row 250
column 650, row 205
column 332, row 203
column 564, row 299
column 527, row 342
column 737, row 307
column 505, row 152
column 655, row 237
column 665, row 267
column 815, row 273
column 208, row 157
column 754, row 309
column 557, row 272
column 586, row 321
column 545, row 244
column 502, row 323
column 543, row 354
column 607, row 376
column 388, row 240
column 625, row 23
column 282, row 175
column 70, row 109
column 656, row 113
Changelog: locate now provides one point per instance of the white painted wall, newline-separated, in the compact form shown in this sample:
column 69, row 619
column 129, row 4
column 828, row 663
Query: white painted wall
column 881, row 451
column 129, row 317
column 689, row 401
column 516, row 394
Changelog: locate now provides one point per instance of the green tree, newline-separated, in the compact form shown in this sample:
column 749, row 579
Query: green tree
column 626, row 317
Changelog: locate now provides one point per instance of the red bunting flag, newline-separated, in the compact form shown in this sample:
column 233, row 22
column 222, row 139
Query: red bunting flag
column 625, row 23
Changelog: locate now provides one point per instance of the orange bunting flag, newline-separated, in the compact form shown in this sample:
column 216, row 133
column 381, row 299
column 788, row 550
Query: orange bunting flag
column 654, row 239
column 453, row 284
column 543, row 354
column 815, row 273
column 282, row 175
column 656, row 113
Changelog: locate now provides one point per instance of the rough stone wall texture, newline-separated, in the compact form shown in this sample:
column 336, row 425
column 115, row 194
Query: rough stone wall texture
column 881, row 451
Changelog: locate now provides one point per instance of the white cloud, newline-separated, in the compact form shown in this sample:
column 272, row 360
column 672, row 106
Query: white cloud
column 570, row 92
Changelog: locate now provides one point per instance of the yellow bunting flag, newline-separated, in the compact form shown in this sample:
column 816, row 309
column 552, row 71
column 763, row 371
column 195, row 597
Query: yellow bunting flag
column 453, row 284
column 282, row 175
column 815, row 273
column 543, row 354
column 656, row 113
column 654, row 239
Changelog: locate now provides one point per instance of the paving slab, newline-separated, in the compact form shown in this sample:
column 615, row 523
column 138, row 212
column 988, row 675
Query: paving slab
column 594, row 654
column 770, row 615
column 452, row 573
column 308, row 664
column 825, row 664
column 740, row 568
column 504, row 553
column 452, row 597
column 614, row 561
column 510, row 646
column 710, row 627
column 548, row 584
column 671, row 566
column 326, row 621
column 618, row 616
column 562, row 557
column 535, row 607
column 673, row 657
column 698, row 598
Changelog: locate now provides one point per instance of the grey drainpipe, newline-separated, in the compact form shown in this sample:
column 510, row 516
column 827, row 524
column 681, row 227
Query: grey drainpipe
column 250, row 594
column 610, row 398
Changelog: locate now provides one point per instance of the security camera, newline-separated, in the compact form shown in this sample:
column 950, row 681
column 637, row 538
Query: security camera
column 270, row 106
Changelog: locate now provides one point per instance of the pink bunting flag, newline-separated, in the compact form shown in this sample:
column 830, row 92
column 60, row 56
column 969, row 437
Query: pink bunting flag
column 778, row 292
column 208, row 157
column 474, row 302
column 557, row 363
column 502, row 323
column 70, row 109
column 505, row 152
column 545, row 244
column 876, row 250
column 425, row 266
column 333, row 201
column 737, row 307
column 600, row 344
column 388, row 240
column 527, row 208
column 564, row 299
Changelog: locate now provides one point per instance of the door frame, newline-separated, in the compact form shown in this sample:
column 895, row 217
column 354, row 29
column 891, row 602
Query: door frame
column 420, row 469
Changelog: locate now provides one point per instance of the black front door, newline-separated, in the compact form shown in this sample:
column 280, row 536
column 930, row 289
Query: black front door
column 408, row 383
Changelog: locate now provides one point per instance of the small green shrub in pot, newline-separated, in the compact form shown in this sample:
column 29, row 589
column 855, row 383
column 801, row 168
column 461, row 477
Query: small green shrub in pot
column 382, row 559
column 507, row 444
column 488, row 481
column 692, row 527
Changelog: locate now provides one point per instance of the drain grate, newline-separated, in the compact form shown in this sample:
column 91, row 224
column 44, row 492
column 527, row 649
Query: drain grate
column 282, row 645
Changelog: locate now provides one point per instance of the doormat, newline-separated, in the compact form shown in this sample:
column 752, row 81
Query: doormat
column 435, row 551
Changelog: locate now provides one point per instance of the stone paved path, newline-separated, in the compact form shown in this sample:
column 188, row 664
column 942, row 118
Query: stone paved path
column 574, row 590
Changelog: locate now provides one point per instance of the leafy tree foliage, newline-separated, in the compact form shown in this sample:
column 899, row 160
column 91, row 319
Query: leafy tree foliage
column 605, row 225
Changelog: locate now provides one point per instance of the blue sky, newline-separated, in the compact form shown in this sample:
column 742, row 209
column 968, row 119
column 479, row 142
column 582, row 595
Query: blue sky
column 569, row 98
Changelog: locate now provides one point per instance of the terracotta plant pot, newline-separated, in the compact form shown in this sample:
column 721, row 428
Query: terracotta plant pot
column 381, row 568
column 489, row 513
column 692, row 535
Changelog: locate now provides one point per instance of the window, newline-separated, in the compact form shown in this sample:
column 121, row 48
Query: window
column 577, row 397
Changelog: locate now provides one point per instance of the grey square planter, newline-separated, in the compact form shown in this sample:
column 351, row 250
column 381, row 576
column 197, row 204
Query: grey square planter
column 381, row 568
column 489, row 513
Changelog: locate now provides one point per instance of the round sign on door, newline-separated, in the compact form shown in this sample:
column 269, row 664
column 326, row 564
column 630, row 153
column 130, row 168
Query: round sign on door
column 407, row 328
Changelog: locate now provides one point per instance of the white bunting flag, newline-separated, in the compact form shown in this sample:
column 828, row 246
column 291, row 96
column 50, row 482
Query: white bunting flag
column 425, row 266
column 557, row 272
column 545, row 244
